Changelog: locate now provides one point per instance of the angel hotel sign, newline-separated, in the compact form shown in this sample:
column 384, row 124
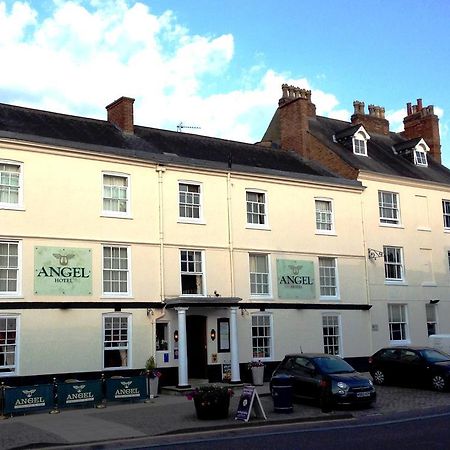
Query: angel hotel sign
column 295, row 279
column 62, row 271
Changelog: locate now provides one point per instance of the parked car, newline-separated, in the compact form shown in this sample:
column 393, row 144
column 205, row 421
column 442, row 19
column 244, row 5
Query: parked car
column 325, row 378
column 420, row 366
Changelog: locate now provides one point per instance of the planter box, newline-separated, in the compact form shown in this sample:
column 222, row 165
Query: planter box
column 258, row 375
column 207, row 410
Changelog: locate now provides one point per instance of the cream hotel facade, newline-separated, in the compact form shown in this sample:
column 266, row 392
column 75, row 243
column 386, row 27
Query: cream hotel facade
column 119, row 242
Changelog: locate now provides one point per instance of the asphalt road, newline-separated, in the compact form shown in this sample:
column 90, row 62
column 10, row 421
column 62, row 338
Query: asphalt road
column 430, row 431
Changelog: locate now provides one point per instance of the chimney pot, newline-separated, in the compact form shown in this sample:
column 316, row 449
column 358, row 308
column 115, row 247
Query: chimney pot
column 120, row 113
column 419, row 104
column 408, row 109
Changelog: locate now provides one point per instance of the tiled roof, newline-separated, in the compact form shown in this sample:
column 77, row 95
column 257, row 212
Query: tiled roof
column 381, row 157
column 161, row 146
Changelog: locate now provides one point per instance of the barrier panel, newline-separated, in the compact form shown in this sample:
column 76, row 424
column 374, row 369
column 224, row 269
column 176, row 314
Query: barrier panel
column 76, row 392
column 126, row 388
column 27, row 398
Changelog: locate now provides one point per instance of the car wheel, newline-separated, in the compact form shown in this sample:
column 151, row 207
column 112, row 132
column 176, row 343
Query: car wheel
column 438, row 383
column 379, row 377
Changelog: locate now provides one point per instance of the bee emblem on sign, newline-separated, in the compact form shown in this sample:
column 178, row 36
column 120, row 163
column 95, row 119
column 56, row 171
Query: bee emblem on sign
column 63, row 259
column 79, row 387
column 29, row 392
column 295, row 269
column 126, row 384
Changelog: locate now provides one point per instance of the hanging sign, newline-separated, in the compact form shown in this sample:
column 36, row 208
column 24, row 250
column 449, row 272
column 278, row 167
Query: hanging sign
column 295, row 279
column 27, row 398
column 248, row 402
column 126, row 388
column 62, row 271
column 79, row 393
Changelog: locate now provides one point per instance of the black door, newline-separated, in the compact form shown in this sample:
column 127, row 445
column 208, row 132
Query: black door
column 196, row 346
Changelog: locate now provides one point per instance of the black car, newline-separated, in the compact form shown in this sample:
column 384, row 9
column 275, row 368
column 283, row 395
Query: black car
column 326, row 378
column 417, row 366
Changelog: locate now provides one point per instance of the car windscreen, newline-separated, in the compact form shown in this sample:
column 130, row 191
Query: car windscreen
column 434, row 356
column 333, row 365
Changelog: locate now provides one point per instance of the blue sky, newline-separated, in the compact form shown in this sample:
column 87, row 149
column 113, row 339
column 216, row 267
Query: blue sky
column 219, row 65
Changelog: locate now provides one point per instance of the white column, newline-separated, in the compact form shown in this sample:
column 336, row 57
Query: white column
column 235, row 372
column 182, row 348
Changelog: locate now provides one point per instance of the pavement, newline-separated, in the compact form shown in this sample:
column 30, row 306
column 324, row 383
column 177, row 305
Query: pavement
column 175, row 414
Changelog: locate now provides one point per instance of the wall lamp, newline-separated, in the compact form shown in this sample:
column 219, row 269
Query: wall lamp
column 213, row 334
column 175, row 335
column 433, row 302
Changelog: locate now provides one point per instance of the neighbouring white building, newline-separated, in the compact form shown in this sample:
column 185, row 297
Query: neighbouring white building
column 405, row 203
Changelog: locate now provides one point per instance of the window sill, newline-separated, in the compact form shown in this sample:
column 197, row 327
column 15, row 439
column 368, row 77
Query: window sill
column 116, row 216
column 261, row 298
column 6, row 296
column 330, row 299
column 395, row 283
column 446, row 230
column 112, row 296
column 256, row 227
column 429, row 284
column 392, row 225
column 13, row 208
column 424, row 229
column 400, row 343
column 191, row 222
column 326, row 233
column 107, row 369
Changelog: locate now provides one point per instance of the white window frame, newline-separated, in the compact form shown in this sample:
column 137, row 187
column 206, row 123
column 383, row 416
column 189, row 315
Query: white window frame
column 256, row 274
column 432, row 321
column 201, row 273
column 398, row 262
column 199, row 195
column 420, row 157
column 128, row 293
column 16, row 344
column 393, row 206
column 127, row 347
column 327, row 214
column 446, row 214
column 332, row 340
column 448, row 260
column 112, row 213
column 256, row 356
column 359, row 142
column 402, row 324
column 18, row 291
column 322, row 275
column 19, row 204
column 264, row 215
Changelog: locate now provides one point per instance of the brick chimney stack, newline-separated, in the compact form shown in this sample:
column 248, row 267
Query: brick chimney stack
column 374, row 122
column 421, row 122
column 294, row 109
column 120, row 113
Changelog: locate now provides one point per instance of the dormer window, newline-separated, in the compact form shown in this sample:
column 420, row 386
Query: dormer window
column 420, row 155
column 360, row 139
column 356, row 136
column 414, row 150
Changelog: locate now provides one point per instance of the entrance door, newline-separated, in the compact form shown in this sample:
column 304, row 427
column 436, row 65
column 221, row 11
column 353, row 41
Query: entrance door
column 196, row 346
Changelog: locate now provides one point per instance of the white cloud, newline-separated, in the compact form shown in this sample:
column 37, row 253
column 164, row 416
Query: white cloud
column 85, row 54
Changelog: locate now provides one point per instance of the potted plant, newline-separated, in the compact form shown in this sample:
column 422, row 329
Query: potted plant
column 211, row 401
column 257, row 369
column 153, row 375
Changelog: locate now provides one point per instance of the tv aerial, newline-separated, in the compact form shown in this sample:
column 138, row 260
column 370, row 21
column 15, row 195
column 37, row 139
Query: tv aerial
column 181, row 126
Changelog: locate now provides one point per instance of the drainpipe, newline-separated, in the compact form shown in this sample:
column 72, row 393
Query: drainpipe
column 230, row 233
column 160, row 171
column 366, row 269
